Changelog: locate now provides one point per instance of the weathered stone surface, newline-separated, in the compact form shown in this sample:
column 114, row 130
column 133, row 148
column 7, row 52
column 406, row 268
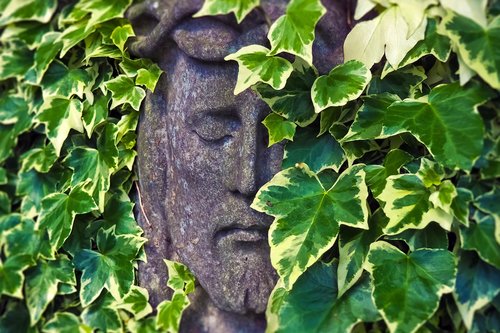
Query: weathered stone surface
column 202, row 155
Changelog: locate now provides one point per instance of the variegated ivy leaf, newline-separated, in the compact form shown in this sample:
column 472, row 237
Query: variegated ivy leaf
column 15, row 119
column 65, row 322
column 408, row 205
column 110, row 267
column 118, row 212
column 42, row 282
column 473, row 9
column 405, row 82
column 478, row 46
column 15, row 62
column 103, row 10
column 59, row 211
column 293, row 101
column 477, row 285
column 354, row 245
column 431, row 237
column 407, row 288
column 433, row 43
column 240, row 8
column 319, row 153
column 121, row 34
column 103, row 315
column 169, row 312
column 344, row 83
column 26, row 238
column 149, row 77
column 11, row 274
column 388, row 34
column 294, row 32
column 255, row 65
column 278, row 128
column 29, row 32
column 136, row 302
column 95, row 114
column 60, row 115
column 27, row 10
column 291, row 311
column 74, row 34
column 124, row 91
column 480, row 236
column 45, row 53
column 460, row 205
column 446, row 121
column 301, row 233
column 488, row 203
column 40, row 159
column 63, row 82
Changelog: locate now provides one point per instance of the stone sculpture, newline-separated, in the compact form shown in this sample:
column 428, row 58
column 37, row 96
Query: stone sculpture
column 202, row 155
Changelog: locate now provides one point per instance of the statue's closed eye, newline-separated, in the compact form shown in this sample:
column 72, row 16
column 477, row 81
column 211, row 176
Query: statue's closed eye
column 216, row 128
column 205, row 38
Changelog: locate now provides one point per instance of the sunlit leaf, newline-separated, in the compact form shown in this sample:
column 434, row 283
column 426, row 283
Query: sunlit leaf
column 240, row 8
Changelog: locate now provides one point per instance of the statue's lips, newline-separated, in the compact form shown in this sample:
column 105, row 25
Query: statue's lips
column 241, row 234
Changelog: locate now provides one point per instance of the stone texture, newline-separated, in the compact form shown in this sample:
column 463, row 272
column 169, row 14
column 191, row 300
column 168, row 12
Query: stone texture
column 202, row 155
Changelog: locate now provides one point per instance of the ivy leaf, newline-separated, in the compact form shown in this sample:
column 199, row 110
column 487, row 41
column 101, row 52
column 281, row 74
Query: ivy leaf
column 433, row 43
column 124, row 91
column 118, row 212
column 430, row 237
column 473, row 9
column 42, row 282
column 407, row 288
column 406, row 82
column 110, row 267
column 11, row 274
column 301, row 233
column 59, row 211
column 344, row 83
column 102, row 10
column 103, row 315
column 15, row 62
column 293, row 101
column 460, row 205
column 25, row 239
column 63, row 82
column 477, row 45
column 136, row 302
column 477, row 285
column 294, row 32
column 480, row 236
column 255, row 65
column 40, row 159
column 60, row 116
column 240, row 8
column 408, row 205
column 169, row 312
column 65, row 322
column 291, row 311
column 44, row 55
column 278, row 128
column 24, row 10
column 387, row 33
column 354, row 245
column 15, row 318
column 95, row 114
column 74, row 34
column 121, row 34
column 149, row 77
column 319, row 153
column 179, row 277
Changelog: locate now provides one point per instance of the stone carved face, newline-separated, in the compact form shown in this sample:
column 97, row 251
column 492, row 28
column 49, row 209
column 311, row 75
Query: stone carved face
column 202, row 152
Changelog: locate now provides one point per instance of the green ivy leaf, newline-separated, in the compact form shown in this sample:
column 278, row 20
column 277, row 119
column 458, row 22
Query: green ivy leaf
column 60, row 116
column 74, row 34
column 59, row 211
column 63, row 82
column 278, row 128
column 136, row 302
column 179, row 277
column 121, row 34
column 15, row 62
column 460, row 205
column 406, row 82
column 319, row 153
column 344, row 83
column 407, row 288
column 25, row 239
column 40, row 159
column 292, row 311
column 294, row 32
column 477, row 285
column 124, row 91
column 255, row 65
column 301, row 233
column 95, row 114
column 44, row 55
column 169, row 312
column 65, row 322
column 354, row 245
column 240, row 8
column 430, row 237
column 149, row 77
column 110, row 267
column 480, row 236
column 478, row 46
column 32, row 10
column 11, row 274
column 103, row 315
column 103, row 10
column 42, row 282
column 293, row 101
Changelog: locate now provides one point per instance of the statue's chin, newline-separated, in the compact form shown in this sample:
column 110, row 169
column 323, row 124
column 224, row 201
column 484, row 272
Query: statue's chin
column 241, row 283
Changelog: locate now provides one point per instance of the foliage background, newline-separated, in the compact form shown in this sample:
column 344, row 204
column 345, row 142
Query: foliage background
column 389, row 222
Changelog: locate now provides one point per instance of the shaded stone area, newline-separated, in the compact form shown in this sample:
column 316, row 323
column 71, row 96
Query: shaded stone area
column 202, row 156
